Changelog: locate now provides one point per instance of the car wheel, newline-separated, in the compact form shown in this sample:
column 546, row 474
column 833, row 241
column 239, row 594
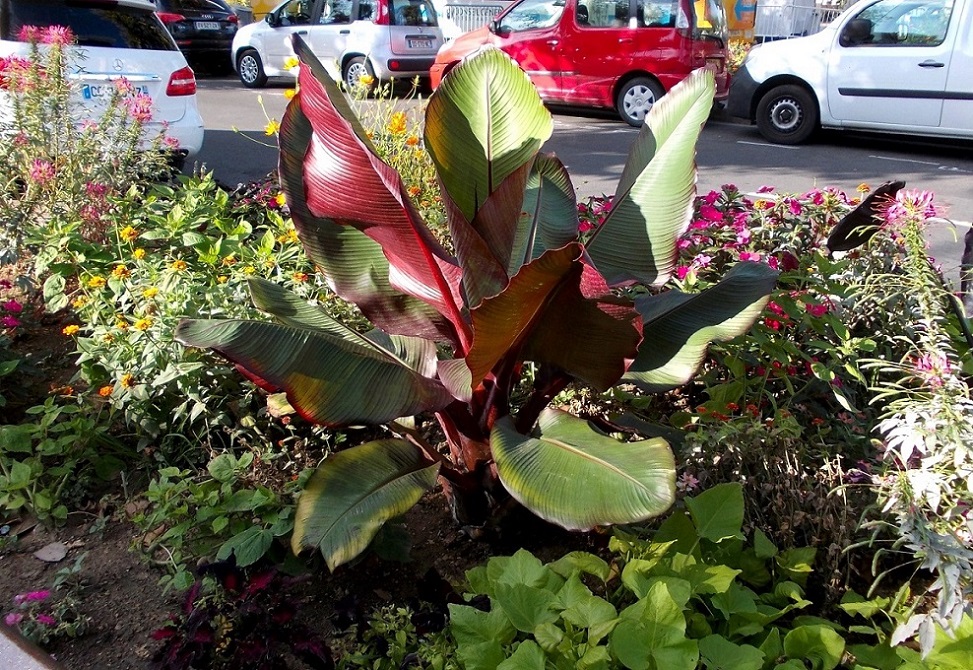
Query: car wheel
column 635, row 99
column 787, row 115
column 250, row 69
column 355, row 70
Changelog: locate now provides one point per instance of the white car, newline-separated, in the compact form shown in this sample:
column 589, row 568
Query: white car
column 383, row 39
column 115, row 40
column 896, row 66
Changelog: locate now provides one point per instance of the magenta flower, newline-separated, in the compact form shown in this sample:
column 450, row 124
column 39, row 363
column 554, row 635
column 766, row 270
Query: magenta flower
column 29, row 34
column 95, row 190
column 817, row 311
column 41, row 171
column 13, row 307
column 932, row 368
column 765, row 189
column 58, row 35
column 46, row 619
column 8, row 321
column 682, row 272
column 31, row 597
column 140, row 107
column 795, row 207
column 909, row 205
column 749, row 256
column 13, row 618
column 124, row 86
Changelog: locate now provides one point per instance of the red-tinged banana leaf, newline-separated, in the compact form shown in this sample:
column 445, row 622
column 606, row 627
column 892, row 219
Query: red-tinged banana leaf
column 678, row 327
column 860, row 224
column 292, row 310
column 483, row 125
column 354, row 492
column 329, row 380
column 652, row 206
column 576, row 477
column 549, row 315
column 550, row 212
column 353, row 264
column 345, row 180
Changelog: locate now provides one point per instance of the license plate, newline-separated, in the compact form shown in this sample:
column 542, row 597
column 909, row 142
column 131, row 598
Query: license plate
column 420, row 44
column 207, row 25
column 103, row 91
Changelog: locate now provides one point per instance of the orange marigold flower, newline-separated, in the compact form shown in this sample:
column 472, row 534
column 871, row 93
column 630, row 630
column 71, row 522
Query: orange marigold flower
column 863, row 188
column 138, row 254
column 143, row 324
column 150, row 292
column 128, row 234
column 179, row 265
column 106, row 391
column 299, row 276
column 121, row 272
column 397, row 123
column 414, row 191
column 128, row 380
column 411, row 141
column 71, row 330
column 96, row 282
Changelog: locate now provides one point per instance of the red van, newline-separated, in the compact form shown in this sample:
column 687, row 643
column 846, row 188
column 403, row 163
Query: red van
column 622, row 54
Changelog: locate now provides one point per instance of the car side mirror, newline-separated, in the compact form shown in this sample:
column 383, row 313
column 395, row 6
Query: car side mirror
column 856, row 32
column 272, row 20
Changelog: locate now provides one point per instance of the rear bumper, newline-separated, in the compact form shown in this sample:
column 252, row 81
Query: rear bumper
column 402, row 68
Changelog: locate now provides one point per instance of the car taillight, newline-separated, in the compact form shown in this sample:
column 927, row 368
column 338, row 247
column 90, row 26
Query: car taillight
column 170, row 17
column 383, row 18
column 182, row 82
column 233, row 18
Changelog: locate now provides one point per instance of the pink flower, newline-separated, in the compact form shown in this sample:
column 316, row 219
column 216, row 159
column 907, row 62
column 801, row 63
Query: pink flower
column 31, row 597
column 910, row 205
column 682, row 272
column 932, row 368
column 58, row 35
column 687, row 482
column 41, row 171
column 711, row 197
column 170, row 143
column 765, row 189
column 684, row 243
column 710, row 214
column 89, row 126
column 772, row 262
column 8, row 321
column 29, row 34
column 13, row 307
column 817, row 311
column 749, row 256
column 13, row 618
column 95, row 190
column 702, row 260
column 140, row 107
column 124, row 86
column 795, row 207
column 46, row 619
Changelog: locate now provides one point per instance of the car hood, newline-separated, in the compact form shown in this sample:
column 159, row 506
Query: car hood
column 465, row 44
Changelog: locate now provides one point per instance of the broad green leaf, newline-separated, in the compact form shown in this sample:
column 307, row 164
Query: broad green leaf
column 796, row 563
column 595, row 658
column 328, row 380
column 483, row 124
column 763, row 547
column 247, row 547
column 718, row 653
column 17, row 439
column 527, row 656
column 718, row 512
column 736, row 599
column 573, row 591
column 883, row 657
column 550, row 212
column 819, row 645
column 527, row 607
column 772, row 646
column 549, row 637
column 353, row 264
column 480, row 636
column 652, row 634
column 678, row 327
column 354, row 492
column 578, row 478
column 590, row 612
column 520, row 568
column 581, row 562
column 653, row 202
column 545, row 300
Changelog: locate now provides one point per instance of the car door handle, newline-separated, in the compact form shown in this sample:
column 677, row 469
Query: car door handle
column 302, row 32
column 931, row 63
column 344, row 32
column 552, row 43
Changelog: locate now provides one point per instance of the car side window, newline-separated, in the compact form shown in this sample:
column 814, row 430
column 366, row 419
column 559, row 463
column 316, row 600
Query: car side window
column 892, row 23
column 296, row 13
column 602, row 14
column 657, row 13
column 335, row 11
column 366, row 10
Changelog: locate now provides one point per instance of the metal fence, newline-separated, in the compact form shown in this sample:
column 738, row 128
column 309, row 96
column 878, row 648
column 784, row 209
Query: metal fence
column 780, row 19
column 463, row 17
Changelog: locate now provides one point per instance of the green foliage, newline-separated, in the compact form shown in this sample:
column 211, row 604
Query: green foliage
column 218, row 514
column 389, row 639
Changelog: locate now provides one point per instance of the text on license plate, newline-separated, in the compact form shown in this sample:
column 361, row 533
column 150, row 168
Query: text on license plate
column 101, row 91
column 420, row 44
column 207, row 25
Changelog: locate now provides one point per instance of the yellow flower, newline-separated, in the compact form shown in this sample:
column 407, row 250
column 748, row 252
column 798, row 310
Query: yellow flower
column 290, row 93
column 229, row 261
column 121, row 272
column 280, row 199
column 291, row 62
column 96, row 282
column 397, row 123
column 412, row 141
column 79, row 302
column 138, row 254
column 150, row 292
column 366, row 80
column 128, row 380
column 299, row 276
column 108, row 337
column 289, row 237
column 222, row 279
column 272, row 127
column 249, row 270
column 143, row 324
column 179, row 265
column 105, row 391
column 71, row 330
column 121, row 323
column 863, row 188
column 128, row 234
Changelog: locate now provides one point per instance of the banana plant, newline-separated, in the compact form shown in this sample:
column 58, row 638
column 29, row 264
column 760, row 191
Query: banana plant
column 521, row 303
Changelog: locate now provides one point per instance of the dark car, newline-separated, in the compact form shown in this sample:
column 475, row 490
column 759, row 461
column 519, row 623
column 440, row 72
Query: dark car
column 203, row 29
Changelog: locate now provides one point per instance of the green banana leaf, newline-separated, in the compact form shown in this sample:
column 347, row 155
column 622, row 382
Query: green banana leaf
column 653, row 202
column 329, row 380
column 354, row 492
column 678, row 327
column 578, row 478
column 550, row 213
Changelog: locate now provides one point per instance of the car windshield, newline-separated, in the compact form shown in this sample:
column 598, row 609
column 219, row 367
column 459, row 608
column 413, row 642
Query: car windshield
column 531, row 15
column 94, row 26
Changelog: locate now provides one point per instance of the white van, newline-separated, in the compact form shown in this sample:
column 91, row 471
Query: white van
column 895, row 66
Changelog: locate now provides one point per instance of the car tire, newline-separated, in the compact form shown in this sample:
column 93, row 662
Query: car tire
column 250, row 69
column 787, row 115
column 635, row 98
column 355, row 69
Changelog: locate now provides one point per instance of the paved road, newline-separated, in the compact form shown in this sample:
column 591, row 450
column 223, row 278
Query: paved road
column 594, row 146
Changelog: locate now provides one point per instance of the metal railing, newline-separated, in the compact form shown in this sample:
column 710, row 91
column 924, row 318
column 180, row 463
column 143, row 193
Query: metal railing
column 464, row 17
column 780, row 19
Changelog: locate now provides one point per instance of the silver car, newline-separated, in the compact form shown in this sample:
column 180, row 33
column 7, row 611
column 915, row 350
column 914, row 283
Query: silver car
column 359, row 41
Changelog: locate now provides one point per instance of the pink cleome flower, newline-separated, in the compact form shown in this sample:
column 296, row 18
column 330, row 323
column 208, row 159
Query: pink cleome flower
column 41, row 171
column 58, row 36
